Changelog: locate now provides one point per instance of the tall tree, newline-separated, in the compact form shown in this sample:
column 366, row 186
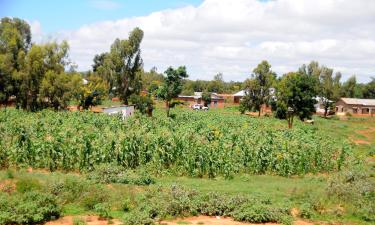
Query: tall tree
column 39, row 60
column 15, row 41
column 369, row 89
column 127, row 64
column 258, row 87
column 351, row 89
column 217, row 84
column 295, row 96
column 57, row 89
column 172, row 85
column 328, row 88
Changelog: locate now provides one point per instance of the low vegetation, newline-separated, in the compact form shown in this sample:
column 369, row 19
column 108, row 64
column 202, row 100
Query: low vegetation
column 192, row 144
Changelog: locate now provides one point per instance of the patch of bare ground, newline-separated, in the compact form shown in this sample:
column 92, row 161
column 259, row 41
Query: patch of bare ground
column 7, row 186
column 216, row 220
column 368, row 133
column 90, row 220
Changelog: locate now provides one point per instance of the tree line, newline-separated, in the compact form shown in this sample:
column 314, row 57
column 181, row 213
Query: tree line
column 38, row 76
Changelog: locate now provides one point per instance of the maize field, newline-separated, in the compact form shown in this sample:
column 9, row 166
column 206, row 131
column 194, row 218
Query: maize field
column 196, row 144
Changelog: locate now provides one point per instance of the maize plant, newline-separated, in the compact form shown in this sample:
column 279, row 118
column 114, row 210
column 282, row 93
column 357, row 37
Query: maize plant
column 197, row 144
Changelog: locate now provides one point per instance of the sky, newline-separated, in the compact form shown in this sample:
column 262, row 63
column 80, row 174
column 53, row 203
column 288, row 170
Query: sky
column 212, row 36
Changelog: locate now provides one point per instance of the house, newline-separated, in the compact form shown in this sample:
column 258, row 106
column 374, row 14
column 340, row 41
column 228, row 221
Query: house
column 124, row 110
column 216, row 100
column 238, row 96
column 355, row 106
column 241, row 94
column 319, row 106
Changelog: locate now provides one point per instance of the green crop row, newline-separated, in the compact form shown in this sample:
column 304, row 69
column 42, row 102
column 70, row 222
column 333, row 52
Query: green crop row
column 192, row 143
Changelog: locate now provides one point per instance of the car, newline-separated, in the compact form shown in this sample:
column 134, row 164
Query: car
column 199, row 107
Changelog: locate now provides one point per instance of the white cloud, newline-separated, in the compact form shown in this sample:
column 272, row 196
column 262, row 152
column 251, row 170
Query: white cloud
column 233, row 36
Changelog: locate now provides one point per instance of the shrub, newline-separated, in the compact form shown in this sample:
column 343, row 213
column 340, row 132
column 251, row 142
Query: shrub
column 107, row 173
column 79, row 221
column 356, row 188
column 103, row 210
column 97, row 194
column 27, row 184
column 259, row 213
column 306, row 211
column 28, row 208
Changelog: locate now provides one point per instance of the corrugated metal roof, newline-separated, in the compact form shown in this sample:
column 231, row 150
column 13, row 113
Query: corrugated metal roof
column 359, row 101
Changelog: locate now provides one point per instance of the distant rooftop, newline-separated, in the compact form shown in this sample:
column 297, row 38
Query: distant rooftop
column 359, row 101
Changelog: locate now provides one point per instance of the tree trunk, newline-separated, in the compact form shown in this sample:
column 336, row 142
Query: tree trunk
column 290, row 121
column 260, row 109
column 325, row 112
column 167, row 107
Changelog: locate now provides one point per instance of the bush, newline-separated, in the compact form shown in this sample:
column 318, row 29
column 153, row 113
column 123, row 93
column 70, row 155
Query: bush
column 306, row 211
column 96, row 195
column 27, row 184
column 107, row 173
column 260, row 213
column 356, row 188
column 158, row 204
column 103, row 210
column 79, row 221
column 28, row 208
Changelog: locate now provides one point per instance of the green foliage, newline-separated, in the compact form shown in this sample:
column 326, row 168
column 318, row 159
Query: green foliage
column 108, row 173
column 24, row 185
column 144, row 104
column 178, row 202
column 355, row 187
column 94, row 196
column 259, row 213
column 193, row 144
column 125, row 62
column 206, row 97
column 103, row 209
column 296, row 93
column 92, row 93
column 29, row 208
column 258, row 88
column 172, row 85
column 79, row 221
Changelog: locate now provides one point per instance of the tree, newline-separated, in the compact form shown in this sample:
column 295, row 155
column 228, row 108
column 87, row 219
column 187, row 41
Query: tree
column 295, row 96
column 38, row 61
column 144, row 104
column 351, row 89
column 217, row 84
column 206, row 97
column 258, row 88
column 93, row 92
column 98, row 61
column 329, row 87
column 369, row 89
column 127, row 64
column 15, row 41
column 57, row 89
column 172, row 85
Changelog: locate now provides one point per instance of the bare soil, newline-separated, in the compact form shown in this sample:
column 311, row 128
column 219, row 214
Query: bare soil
column 90, row 220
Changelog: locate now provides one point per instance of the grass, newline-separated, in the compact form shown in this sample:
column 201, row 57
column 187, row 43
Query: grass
column 274, row 187
column 278, row 189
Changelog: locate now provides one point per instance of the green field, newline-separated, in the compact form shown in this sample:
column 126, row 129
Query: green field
column 88, row 163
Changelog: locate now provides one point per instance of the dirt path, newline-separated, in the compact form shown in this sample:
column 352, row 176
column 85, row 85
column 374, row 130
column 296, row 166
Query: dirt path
column 209, row 220
column 90, row 220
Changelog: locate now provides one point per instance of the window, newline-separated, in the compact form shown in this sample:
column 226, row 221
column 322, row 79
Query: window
column 355, row 110
column 365, row 111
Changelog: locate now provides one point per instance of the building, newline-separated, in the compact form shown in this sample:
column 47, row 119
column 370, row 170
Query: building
column 319, row 106
column 355, row 106
column 216, row 100
column 238, row 96
column 241, row 94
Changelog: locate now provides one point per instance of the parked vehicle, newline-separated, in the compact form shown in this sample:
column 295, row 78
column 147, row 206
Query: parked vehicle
column 199, row 107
